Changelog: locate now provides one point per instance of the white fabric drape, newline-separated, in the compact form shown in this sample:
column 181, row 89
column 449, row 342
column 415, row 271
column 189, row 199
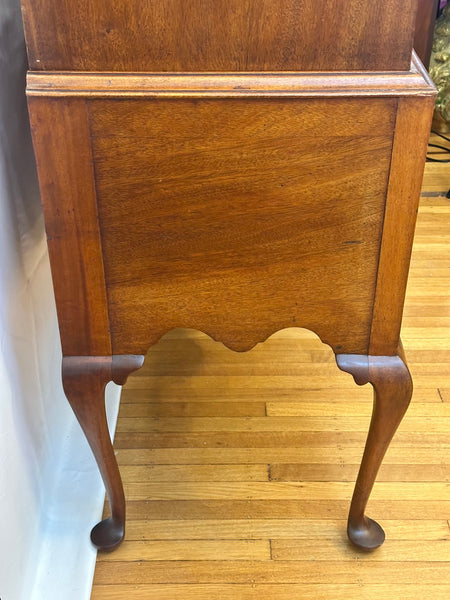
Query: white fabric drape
column 50, row 491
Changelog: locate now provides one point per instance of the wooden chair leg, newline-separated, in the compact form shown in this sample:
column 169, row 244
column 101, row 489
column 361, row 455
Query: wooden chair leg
column 84, row 381
column 392, row 385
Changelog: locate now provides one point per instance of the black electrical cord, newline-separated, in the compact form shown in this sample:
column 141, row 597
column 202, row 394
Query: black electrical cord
column 440, row 135
column 445, row 148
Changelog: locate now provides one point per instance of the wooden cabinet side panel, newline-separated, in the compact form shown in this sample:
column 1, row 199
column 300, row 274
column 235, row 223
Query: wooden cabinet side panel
column 412, row 130
column 62, row 146
column 219, row 35
column 240, row 217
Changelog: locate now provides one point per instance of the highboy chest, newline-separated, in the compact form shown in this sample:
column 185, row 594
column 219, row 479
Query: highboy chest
column 234, row 166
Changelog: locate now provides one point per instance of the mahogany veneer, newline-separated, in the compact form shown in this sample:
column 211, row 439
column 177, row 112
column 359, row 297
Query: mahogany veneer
column 219, row 35
column 235, row 167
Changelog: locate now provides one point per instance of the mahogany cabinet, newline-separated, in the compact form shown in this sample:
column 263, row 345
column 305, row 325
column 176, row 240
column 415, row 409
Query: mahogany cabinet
column 234, row 166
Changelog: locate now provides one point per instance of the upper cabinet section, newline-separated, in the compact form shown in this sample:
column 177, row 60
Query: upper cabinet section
column 219, row 35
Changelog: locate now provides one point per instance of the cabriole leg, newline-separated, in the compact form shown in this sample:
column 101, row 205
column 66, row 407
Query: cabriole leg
column 84, row 381
column 392, row 385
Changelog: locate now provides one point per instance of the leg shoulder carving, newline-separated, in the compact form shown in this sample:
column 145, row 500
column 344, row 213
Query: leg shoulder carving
column 99, row 369
column 377, row 370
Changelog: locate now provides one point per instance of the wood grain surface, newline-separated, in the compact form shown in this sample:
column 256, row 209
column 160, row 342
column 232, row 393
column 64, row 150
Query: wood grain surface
column 412, row 125
column 63, row 153
column 238, row 201
column 414, row 82
column 219, row 35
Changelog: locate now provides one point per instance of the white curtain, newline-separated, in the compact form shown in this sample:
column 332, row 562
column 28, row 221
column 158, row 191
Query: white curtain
column 42, row 451
column 30, row 396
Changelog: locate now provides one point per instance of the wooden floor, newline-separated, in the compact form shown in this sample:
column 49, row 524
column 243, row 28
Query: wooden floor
column 239, row 468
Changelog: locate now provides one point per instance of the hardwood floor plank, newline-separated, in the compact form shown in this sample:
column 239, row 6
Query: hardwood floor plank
column 416, row 508
column 280, row 439
column 440, row 337
column 395, row 550
column 254, row 529
column 179, row 550
column 170, row 393
column 304, row 572
column 396, row 455
column 198, row 473
column 346, row 409
column 273, row 591
column 193, row 409
column 421, row 424
column 348, row 472
column 333, row 380
column 277, row 490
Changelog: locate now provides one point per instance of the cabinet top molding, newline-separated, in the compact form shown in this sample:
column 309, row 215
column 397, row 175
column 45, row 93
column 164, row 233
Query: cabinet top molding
column 219, row 35
column 414, row 82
